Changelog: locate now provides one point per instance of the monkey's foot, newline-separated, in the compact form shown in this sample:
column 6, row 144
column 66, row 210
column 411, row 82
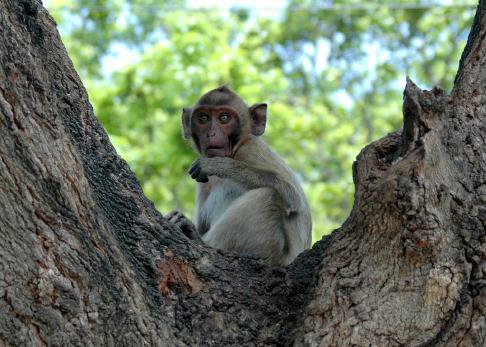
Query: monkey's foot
column 184, row 224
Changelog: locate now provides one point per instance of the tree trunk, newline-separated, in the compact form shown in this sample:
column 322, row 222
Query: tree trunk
column 85, row 259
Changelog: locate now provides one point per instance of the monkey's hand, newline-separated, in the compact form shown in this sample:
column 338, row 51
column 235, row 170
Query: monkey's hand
column 184, row 224
column 196, row 171
column 201, row 168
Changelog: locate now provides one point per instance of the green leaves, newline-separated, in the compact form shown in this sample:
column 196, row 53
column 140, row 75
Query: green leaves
column 333, row 78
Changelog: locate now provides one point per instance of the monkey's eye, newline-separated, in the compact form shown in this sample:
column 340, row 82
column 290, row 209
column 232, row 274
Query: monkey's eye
column 224, row 117
column 203, row 118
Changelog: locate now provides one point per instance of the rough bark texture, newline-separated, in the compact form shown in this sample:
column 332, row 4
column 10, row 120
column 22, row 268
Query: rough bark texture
column 85, row 259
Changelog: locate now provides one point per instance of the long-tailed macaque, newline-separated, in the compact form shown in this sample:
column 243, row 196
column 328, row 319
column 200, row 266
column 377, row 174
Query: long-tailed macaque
column 247, row 200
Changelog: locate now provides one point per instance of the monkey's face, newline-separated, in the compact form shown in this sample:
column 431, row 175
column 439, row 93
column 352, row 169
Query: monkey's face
column 215, row 130
column 221, row 121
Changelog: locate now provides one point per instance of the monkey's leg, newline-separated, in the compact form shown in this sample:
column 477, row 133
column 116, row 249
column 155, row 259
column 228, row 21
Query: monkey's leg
column 252, row 224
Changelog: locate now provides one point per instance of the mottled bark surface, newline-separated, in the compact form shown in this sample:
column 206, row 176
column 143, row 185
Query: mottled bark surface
column 85, row 259
column 409, row 266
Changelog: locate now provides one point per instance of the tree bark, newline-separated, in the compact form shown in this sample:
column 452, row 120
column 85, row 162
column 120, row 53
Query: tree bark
column 85, row 259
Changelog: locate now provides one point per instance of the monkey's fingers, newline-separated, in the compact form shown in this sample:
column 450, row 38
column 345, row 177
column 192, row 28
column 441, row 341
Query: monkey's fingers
column 199, row 176
column 195, row 172
column 202, row 178
column 184, row 224
column 194, row 166
column 195, row 169
column 174, row 216
column 191, row 233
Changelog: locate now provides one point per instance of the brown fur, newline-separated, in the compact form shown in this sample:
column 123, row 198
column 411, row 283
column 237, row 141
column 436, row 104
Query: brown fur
column 249, row 201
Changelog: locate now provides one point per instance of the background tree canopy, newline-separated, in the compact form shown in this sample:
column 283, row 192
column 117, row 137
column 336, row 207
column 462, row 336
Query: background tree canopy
column 332, row 72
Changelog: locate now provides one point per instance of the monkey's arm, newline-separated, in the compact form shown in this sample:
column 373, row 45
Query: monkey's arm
column 248, row 176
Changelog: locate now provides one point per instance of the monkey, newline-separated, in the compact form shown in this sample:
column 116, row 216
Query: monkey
column 247, row 199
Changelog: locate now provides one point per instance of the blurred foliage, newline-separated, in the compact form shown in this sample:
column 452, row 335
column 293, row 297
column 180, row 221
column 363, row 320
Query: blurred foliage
column 332, row 73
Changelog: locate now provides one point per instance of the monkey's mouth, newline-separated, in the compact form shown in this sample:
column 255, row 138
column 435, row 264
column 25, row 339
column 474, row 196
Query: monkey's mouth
column 214, row 151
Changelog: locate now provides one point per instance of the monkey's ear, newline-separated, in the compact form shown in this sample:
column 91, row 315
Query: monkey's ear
column 186, row 122
column 258, row 116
